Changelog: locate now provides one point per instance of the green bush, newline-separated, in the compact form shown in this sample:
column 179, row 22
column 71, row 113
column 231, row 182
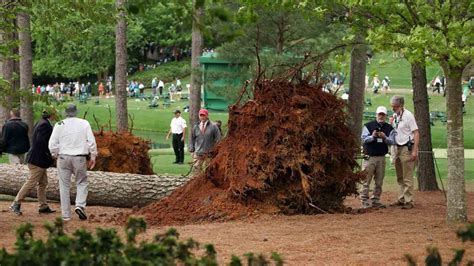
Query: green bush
column 106, row 248
column 166, row 72
column 434, row 258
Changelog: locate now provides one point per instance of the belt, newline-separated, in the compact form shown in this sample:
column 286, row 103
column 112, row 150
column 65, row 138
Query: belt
column 177, row 133
column 406, row 144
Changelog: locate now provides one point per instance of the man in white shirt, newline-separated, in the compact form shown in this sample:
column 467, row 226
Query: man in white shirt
column 72, row 142
column 161, row 86
column 406, row 139
column 178, row 129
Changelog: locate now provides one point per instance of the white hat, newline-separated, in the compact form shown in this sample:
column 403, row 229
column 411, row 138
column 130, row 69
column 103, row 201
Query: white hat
column 381, row 109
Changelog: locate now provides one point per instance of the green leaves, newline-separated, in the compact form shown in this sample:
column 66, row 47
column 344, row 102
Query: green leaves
column 106, row 248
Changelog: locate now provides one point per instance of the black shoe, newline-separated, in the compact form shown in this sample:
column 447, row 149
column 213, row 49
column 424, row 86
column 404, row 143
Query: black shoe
column 378, row 205
column 81, row 213
column 16, row 208
column 408, row 206
column 175, row 162
column 46, row 210
column 180, row 162
column 397, row 204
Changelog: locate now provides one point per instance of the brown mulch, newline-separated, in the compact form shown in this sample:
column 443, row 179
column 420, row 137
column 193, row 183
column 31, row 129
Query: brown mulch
column 288, row 150
column 378, row 237
column 122, row 153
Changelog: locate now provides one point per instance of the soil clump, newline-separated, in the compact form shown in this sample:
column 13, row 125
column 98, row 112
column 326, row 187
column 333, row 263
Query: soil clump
column 288, row 150
column 122, row 153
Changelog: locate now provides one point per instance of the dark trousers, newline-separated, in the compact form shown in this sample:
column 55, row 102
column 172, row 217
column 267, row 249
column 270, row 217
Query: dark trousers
column 178, row 147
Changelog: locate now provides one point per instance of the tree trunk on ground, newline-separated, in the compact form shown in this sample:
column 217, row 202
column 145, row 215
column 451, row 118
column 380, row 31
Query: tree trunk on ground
column 196, row 50
column 357, row 86
column 26, row 70
column 426, row 171
column 105, row 188
column 121, row 68
column 456, row 207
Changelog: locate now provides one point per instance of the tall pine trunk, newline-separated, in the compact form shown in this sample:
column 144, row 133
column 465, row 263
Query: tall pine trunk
column 3, row 107
column 456, row 207
column 357, row 86
column 121, row 68
column 196, row 50
column 26, row 70
column 8, row 66
column 426, row 172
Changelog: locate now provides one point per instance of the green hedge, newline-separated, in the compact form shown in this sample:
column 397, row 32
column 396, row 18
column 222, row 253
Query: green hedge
column 106, row 248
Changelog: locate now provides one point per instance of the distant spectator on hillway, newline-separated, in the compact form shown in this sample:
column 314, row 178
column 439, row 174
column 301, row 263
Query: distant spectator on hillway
column 161, row 86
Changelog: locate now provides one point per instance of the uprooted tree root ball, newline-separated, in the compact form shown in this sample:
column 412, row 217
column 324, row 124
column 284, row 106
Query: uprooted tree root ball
column 288, row 150
column 122, row 153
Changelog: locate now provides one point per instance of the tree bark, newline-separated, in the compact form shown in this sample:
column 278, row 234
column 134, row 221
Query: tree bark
column 3, row 107
column 105, row 188
column 357, row 86
column 456, row 207
column 426, row 171
column 196, row 50
column 8, row 66
column 121, row 68
column 26, row 70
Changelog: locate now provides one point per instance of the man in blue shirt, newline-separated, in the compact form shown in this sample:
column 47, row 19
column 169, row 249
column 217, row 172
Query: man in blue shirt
column 376, row 136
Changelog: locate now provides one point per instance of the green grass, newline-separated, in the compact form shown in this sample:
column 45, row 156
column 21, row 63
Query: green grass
column 153, row 124
column 167, row 72
column 390, row 180
column 437, row 103
column 150, row 124
column 398, row 70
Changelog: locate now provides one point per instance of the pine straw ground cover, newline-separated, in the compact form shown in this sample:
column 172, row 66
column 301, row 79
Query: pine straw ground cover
column 288, row 150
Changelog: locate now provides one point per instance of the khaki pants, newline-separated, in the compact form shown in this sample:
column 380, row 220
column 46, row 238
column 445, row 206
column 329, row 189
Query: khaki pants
column 375, row 169
column 38, row 179
column 67, row 166
column 16, row 158
column 404, row 166
column 198, row 164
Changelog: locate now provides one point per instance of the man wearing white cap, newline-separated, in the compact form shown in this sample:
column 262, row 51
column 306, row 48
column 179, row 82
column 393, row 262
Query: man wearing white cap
column 72, row 142
column 376, row 136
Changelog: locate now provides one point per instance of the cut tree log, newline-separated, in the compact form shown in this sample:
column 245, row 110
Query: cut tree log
column 105, row 188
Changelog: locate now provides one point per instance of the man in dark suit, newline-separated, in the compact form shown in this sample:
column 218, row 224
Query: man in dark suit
column 15, row 141
column 39, row 159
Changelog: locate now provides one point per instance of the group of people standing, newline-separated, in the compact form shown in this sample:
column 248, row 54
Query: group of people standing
column 204, row 136
column 70, row 143
column 401, row 131
column 377, row 84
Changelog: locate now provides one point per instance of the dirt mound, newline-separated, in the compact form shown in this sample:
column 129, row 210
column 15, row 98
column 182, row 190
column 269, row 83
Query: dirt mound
column 122, row 153
column 288, row 150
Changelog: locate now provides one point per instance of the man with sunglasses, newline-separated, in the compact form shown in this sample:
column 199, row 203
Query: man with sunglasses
column 406, row 140
column 376, row 136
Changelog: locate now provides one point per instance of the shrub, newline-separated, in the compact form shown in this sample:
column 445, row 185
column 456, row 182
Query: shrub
column 106, row 248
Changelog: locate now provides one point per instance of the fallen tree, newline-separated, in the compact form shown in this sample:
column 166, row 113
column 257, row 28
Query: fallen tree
column 288, row 150
column 105, row 188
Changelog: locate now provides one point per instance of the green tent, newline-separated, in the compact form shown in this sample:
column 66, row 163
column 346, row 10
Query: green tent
column 221, row 81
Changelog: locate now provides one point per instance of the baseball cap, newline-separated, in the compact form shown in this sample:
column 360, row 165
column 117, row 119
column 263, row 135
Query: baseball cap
column 71, row 110
column 381, row 109
column 203, row 112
